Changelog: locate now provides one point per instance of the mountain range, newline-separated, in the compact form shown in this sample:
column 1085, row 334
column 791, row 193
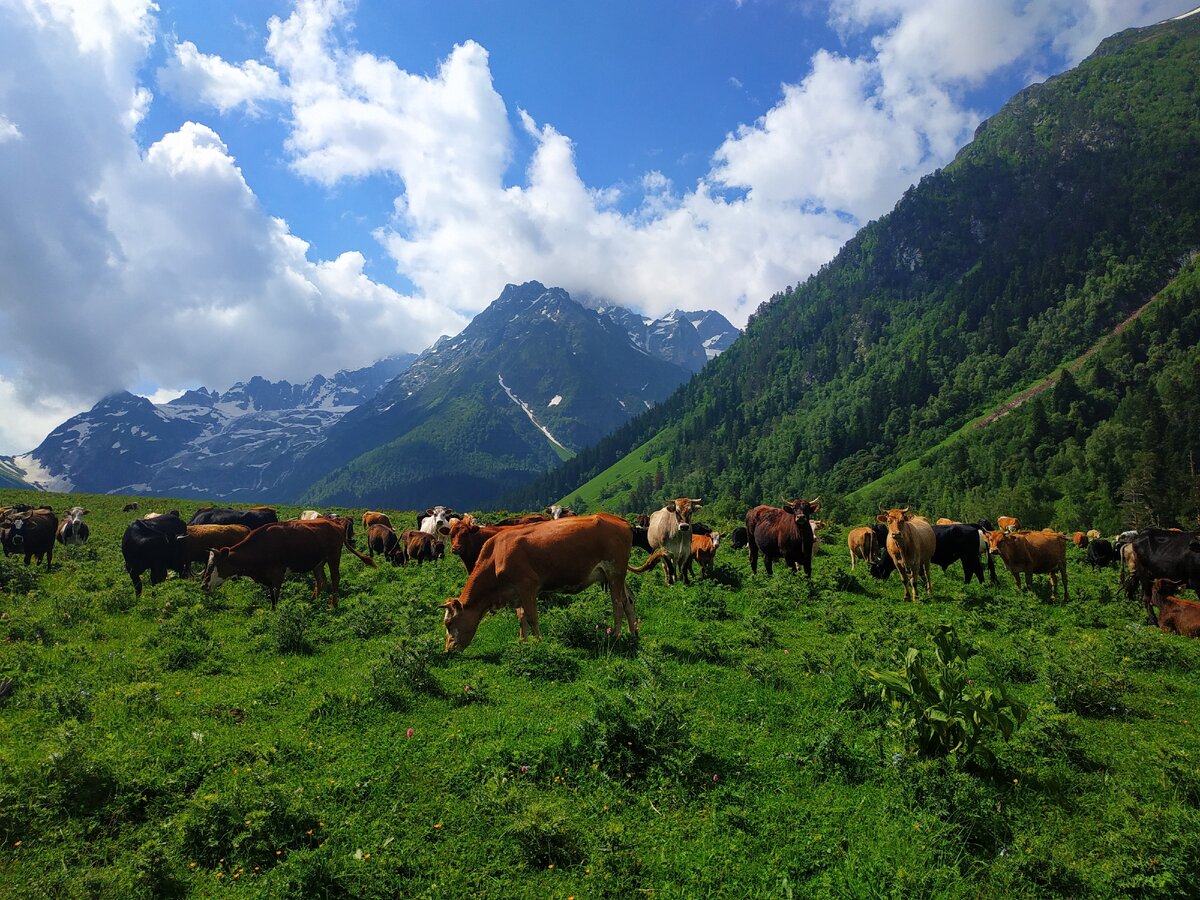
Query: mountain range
column 534, row 378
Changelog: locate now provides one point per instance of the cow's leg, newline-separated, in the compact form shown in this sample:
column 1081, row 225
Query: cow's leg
column 136, row 578
column 49, row 556
column 754, row 557
column 531, row 618
column 928, row 582
column 768, row 562
column 335, row 578
column 1064, row 581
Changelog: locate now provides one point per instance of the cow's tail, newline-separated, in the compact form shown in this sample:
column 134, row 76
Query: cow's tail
column 655, row 557
column 370, row 562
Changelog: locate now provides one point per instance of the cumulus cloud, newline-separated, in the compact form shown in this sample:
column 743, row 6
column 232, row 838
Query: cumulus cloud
column 200, row 78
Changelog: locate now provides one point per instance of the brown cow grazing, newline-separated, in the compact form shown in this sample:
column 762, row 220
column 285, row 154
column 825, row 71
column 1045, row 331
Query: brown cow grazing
column 782, row 533
column 1175, row 614
column 420, row 547
column 129, row 507
column 382, row 540
column 518, row 563
column 911, row 543
column 1033, row 553
column 861, row 542
column 1007, row 523
column 704, row 552
column 1080, row 540
column 203, row 539
column 272, row 551
column 670, row 530
column 370, row 518
column 31, row 533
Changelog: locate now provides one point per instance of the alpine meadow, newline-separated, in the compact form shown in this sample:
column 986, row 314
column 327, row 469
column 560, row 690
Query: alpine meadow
column 1013, row 352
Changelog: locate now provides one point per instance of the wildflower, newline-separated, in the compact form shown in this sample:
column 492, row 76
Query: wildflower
column 438, row 825
column 16, row 843
column 714, row 776
column 551, row 866
column 608, row 630
column 524, row 769
column 197, row 735
column 408, row 733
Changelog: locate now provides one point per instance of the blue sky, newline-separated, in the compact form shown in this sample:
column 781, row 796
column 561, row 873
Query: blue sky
column 195, row 193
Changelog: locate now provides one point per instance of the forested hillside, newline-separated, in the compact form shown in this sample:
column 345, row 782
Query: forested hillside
column 1071, row 208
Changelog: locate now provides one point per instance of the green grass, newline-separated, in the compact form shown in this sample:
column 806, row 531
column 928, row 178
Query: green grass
column 193, row 745
column 623, row 475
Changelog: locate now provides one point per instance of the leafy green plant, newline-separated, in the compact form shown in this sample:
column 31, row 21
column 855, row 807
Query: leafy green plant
column 936, row 702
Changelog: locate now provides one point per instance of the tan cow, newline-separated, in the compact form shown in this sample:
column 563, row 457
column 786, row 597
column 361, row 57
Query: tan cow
column 1175, row 614
column 704, row 552
column 910, row 543
column 203, row 539
column 1007, row 523
column 518, row 563
column 1033, row 553
column 371, row 517
column 861, row 542
column 670, row 530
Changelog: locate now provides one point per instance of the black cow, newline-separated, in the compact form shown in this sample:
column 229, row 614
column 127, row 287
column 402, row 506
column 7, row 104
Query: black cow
column 701, row 528
column 641, row 538
column 1165, row 554
column 955, row 543
column 251, row 518
column 1101, row 553
column 155, row 544
column 739, row 538
column 29, row 532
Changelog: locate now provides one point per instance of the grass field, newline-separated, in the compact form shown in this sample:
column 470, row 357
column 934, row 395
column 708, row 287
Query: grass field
column 192, row 744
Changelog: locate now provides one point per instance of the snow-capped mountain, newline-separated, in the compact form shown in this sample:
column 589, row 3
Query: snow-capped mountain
column 230, row 445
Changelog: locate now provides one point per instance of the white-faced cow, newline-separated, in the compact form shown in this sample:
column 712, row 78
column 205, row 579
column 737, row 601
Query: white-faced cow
column 518, row 563
column 31, row 533
column 670, row 530
column 72, row 529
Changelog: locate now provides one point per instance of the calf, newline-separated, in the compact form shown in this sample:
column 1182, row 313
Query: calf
column 1160, row 553
column 382, row 540
column 517, row 564
column 1174, row 614
column 30, row 533
column 782, row 533
column 271, row 552
column 704, row 552
column 73, row 530
column 156, row 545
column 420, row 547
column 861, row 542
column 1033, row 553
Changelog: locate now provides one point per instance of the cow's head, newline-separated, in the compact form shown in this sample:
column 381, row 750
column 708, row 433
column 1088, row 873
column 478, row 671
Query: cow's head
column 212, row 576
column 460, row 625
column 1163, row 588
column 682, row 508
column 803, row 511
column 458, row 532
column 894, row 519
column 441, row 516
column 995, row 539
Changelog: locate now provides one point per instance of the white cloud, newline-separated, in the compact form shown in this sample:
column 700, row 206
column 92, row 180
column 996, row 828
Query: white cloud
column 200, row 78
column 26, row 421
column 8, row 130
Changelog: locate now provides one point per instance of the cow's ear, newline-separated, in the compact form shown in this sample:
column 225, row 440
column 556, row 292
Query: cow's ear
column 429, row 512
column 881, row 518
column 816, row 507
column 452, row 604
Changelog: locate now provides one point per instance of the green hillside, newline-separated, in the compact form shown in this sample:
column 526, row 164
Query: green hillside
column 1072, row 207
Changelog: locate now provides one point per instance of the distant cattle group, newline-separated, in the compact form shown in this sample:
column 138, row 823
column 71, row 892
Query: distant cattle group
column 510, row 561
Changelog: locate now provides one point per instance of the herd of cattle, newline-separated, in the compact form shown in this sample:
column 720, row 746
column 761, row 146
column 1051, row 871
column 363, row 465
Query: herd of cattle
column 509, row 563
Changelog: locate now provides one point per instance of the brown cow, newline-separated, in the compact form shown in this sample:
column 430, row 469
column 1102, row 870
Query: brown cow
column 558, row 511
column 1033, row 553
column 1080, row 540
column 945, row 521
column 203, row 539
column 1007, row 523
column 271, row 551
column 31, row 533
column 671, row 530
column 782, row 533
column 370, row 518
column 566, row 555
column 1175, row 614
column 382, row 539
column 704, row 552
column 526, row 519
column 911, row 543
column 420, row 547
column 467, row 538
column 861, row 542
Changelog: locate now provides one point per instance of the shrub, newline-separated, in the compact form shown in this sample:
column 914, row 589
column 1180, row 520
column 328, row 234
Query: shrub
column 16, row 578
column 405, row 670
column 541, row 661
column 183, row 640
column 1079, row 682
column 369, row 618
column 289, row 627
column 545, row 835
column 936, row 704
column 246, row 825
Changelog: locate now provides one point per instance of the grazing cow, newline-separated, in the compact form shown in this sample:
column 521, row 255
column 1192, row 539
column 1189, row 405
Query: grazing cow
column 30, row 533
column 910, row 545
column 704, row 552
column 203, row 539
column 558, row 511
column 1159, row 553
column 1100, row 553
column 1007, row 523
column 861, row 542
column 370, row 518
column 252, row 518
column 420, row 547
column 1174, row 614
column 1080, row 540
column 739, row 537
column 1033, row 553
column 670, row 530
column 73, row 530
column 526, row 519
column 382, row 540
column 434, row 518
column 517, row 564
column 952, row 543
column 269, row 553
column 129, row 507
column 156, row 545
column 782, row 533
column 641, row 538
